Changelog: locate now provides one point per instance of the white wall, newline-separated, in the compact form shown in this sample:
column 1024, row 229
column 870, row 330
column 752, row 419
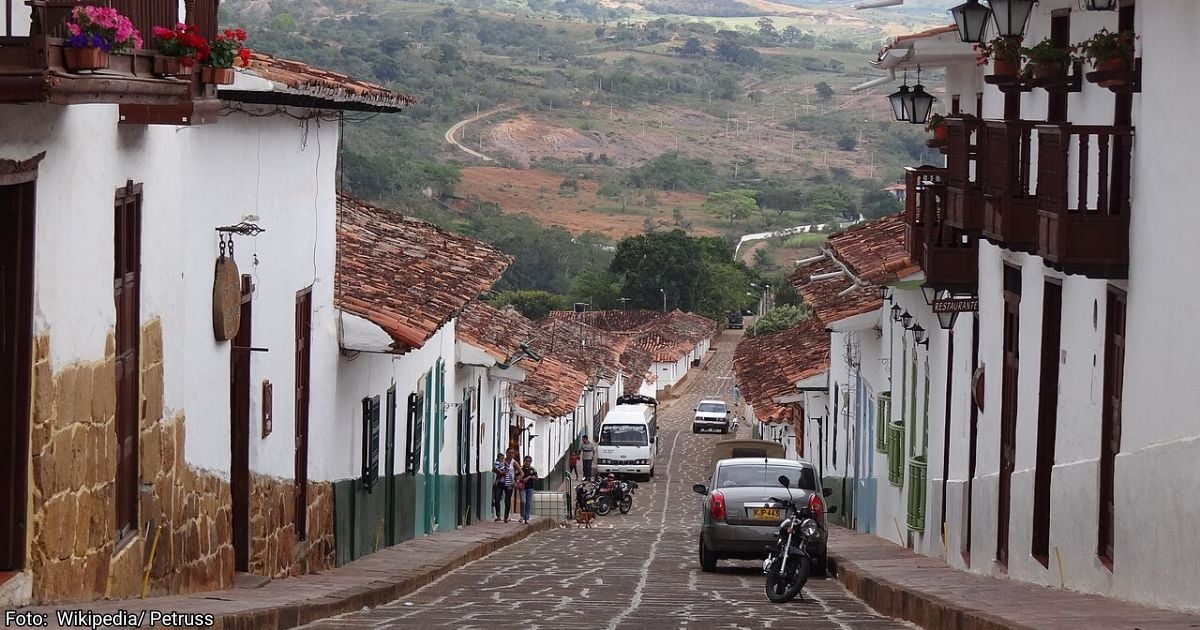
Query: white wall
column 195, row 179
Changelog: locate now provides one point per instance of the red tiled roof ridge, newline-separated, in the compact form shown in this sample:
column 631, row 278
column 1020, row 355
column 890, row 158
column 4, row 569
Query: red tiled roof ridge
column 305, row 80
column 768, row 366
column 874, row 251
column 499, row 332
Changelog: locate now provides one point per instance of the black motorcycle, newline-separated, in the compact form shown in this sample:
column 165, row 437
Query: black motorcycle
column 589, row 498
column 620, row 494
column 788, row 564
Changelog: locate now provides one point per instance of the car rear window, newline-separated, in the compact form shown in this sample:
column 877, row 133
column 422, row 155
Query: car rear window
column 623, row 435
column 765, row 476
column 712, row 407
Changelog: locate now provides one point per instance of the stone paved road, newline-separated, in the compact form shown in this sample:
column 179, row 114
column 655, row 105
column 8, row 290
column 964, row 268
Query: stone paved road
column 633, row 571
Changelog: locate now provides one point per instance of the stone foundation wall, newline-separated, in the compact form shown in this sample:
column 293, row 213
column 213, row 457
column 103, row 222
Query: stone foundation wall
column 185, row 539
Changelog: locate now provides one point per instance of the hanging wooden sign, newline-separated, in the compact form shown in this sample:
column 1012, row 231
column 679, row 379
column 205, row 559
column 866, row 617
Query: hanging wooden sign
column 227, row 299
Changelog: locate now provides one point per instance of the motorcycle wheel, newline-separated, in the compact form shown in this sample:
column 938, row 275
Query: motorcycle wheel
column 626, row 504
column 603, row 507
column 784, row 583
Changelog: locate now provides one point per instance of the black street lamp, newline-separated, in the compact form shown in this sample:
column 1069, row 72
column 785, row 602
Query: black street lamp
column 885, row 292
column 906, row 320
column 896, row 313
column 918, row 332
column 919, row 103
column 971, row 18
column 1011, row 16
column 897, row 99
column 1098, row 5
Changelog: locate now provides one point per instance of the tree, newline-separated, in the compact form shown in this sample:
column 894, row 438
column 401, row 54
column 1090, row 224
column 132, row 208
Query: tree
column 830, row 202
column 847, row 142
column 531, row 304
column 692, row 48
column 824, row 91
column 778, row 319
column 735, row 204
column 669, row 261
column 766, row 28
column 601, row 289
column 879, row 203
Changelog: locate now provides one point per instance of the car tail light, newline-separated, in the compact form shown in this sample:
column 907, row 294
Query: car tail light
column 716, row 506
column 817, row 506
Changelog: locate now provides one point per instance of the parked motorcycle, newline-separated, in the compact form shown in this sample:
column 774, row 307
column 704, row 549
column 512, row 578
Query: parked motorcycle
column 618, row 493
column 788, row 564
column 589, row 498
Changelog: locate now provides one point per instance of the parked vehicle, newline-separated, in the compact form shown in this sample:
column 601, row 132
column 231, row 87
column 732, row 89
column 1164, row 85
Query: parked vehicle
column 618, row 494
column 740, row 517
column 760, row 449
column 711, row 414
column 628, row 441
column 735, row 319
column 789, row 563
column 589, row 499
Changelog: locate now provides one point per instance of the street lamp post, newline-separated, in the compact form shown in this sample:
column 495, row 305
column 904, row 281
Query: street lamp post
column 664, row 296
column 623, row 301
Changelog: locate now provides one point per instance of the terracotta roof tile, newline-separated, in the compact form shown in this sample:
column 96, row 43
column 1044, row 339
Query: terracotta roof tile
column 666, row 336
column 824, row 295
column 407, row 276
column 498, row 332
column 875, row 251
column 551, row 388
column 636, row 363
column 589, row 350
column 300, row 84
column 768, row 366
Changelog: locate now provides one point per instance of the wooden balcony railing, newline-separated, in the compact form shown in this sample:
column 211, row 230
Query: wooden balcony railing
column 32, row 34
column 964, row 197
column 1006, row 178
column 1083, row 181
column 947, row 254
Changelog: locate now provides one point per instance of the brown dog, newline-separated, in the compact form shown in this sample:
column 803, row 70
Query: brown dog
column 584, row 518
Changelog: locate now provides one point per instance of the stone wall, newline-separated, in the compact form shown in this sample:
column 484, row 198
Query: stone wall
column 185, row 541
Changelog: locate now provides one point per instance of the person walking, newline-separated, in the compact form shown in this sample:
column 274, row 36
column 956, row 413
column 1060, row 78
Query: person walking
column 529, row 477
column 573, row 464
column 587, row 452
column 510, row 481
column 737, row 393
column 498, row 470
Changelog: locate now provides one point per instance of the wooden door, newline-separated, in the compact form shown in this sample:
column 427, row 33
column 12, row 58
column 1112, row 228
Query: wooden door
column 127, row 296
column 389, row 467
column 1110, row 421
column 16, row 361
column 1008, row 410
column 1047, row 420
column 303, row 352
column 239, row 430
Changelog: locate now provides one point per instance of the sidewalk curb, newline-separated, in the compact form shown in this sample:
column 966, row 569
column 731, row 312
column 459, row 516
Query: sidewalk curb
column 900, row 602
column 382, row 591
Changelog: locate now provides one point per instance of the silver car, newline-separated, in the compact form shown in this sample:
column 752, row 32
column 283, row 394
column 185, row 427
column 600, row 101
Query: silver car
column 740, row 520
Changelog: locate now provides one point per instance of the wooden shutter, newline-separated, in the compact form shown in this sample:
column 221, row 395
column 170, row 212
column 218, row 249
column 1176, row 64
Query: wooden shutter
column 127, row 262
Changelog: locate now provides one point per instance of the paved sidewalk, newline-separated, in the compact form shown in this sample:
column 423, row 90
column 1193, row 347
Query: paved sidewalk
column 926, row 591
column 381, row 577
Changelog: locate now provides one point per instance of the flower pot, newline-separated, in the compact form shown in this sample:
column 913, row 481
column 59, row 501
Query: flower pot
column 216, row 76
column 165, row 66
column 85, row 58
column 1113, row 64
column 1049, row 70
column 1005, row 68
column 941, row 133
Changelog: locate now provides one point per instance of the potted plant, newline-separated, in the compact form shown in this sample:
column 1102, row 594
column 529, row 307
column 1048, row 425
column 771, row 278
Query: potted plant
column 1046, row 60
column 1108, row 52
column 941, row 132
column 1003, row 52
column 95, row 32
column 178, row 50
column 224, row 51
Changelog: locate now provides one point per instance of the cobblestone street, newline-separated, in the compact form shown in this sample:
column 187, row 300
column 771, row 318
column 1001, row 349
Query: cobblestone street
column 633, row 571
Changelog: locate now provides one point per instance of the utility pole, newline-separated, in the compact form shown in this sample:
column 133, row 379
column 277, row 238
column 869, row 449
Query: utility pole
column 664, row 296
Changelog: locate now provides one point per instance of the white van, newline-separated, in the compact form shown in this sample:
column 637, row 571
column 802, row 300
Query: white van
column 628, row 440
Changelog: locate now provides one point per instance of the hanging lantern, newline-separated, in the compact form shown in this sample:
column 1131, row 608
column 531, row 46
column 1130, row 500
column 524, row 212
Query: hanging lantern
column 897, row 99
column 1011, row 16
column 919, row 103
column 971, row 18
column 1098, row 5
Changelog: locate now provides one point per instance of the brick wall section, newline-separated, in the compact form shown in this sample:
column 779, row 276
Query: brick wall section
column 186, row 535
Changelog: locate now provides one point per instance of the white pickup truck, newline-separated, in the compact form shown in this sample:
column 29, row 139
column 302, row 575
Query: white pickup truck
column 711, row 414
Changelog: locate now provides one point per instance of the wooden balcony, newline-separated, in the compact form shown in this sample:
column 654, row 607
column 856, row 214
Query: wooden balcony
column 1009, row 206
column 1083, row 181
column 949, row 256
column 32, row 69
column 964, row 196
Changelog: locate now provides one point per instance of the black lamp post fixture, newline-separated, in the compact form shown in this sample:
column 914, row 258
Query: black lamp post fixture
column 919, row 337
column 885, row 292
column 896, row 313
column 906, row 320
column 971, row 18
column 1098, row 5
column 919, row 103
column 1011, row 16
column 897, row 99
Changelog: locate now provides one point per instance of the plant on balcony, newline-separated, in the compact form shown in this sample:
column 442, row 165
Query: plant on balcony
column 227, row 49
column 1003, row 52
column 95, row 32
column 1107, row 50
column 937, row 126
column 178, row 49
column 1046, row 60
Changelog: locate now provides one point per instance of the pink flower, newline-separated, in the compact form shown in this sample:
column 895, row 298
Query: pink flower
column 73, row 28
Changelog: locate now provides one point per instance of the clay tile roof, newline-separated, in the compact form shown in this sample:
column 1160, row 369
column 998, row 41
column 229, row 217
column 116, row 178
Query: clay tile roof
column 300, row 84
column 823, row 295
column 768, row 366
column 407, row 276
column 496, row 331
column 666, row 336
column 933, row 32
column 636, row 363
column 875, row 251
column 551, row 388
column 590, row 350
column 620, row 321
